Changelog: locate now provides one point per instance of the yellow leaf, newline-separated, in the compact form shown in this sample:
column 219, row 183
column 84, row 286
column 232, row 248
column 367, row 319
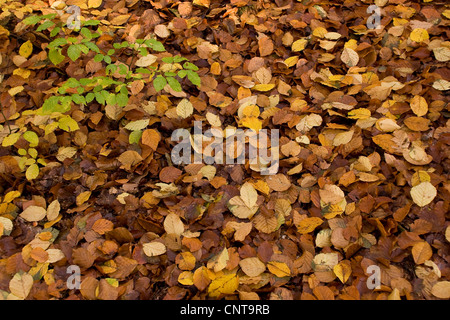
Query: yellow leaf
column 226, row 284
column 252, row 267
column 441, row 85
column 129, row 158
column 6, row 226
column 299, row 45
column 350, row 57
column 361, row 113
column 32, row 172
column 343, row 270
column 13, row 91
column 53, row 210
column 419, row 105
column 249, row 194
column 173, row 224
column 421, row 252
column 291, row 61
column 94, row 3
column 154, row 248
column 26, row 49
column 83, row 197
column 423, row 193
column 66, row 153
column 308, row 225
column 442, row 54
column 351, row 44
column 24, row 73
column 419, row 35
column 11, row 139
column 203, row 3
column 213, row 119
column 186, row 278
column 420, row 176
column 280, row 269
column 250, row 111
column 252, row 123
column 201, row 278
column 320, row 32
column 343, row 138
column 264, row 87
column 10, row 196
column 185, row 108
column 34, row 213
column 219, row 262
column 20, row 285
column 441, row 289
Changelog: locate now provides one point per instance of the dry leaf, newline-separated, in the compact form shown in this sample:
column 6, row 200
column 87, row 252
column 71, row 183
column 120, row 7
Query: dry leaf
column 33, row 213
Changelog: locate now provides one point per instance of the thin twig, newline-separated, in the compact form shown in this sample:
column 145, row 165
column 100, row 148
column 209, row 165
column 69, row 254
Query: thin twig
column 6, row 120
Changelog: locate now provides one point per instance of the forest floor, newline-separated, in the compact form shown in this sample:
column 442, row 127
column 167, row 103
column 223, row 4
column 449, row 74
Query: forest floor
column 352, row 97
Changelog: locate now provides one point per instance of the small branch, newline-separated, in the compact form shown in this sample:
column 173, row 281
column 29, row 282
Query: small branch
column 6, row 120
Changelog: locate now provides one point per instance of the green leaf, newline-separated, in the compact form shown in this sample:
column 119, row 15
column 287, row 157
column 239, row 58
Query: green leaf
column 98, row 57
column 55, row 31
column 32, row 172
column 143, row 51
column 11, row 139
column 107, row 59
column 92, row 46
column 65, row 104
column 159, row 83
column 89, row 97
column 72, row 83
column 83, row 48
column 135, row 136
column 50, row 105
column 74, row 52
column 179, row 59
column 99, row 97
column 49, row 16
column 32, row 20
column 157, row 46
column 182, row 73
column 167, row 59
column 111, row 68
column 111, row 52
column 68, row 124
column 31, row 137
column 78, row 99
column 86, row 33
column 194, row 78
column 123, row 70
column 190, row 66
column 122, row 99
column 55, row 56
column 111, row 99
column 174, row 84
column 90, row 22
column 47, row 24
column 22, row 152
column 143, row 70
column 57, row 43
